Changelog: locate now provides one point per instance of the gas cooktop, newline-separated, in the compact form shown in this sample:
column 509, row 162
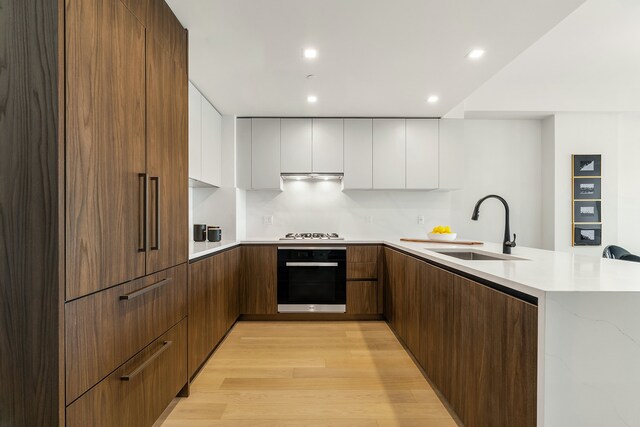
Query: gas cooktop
column 312, row 236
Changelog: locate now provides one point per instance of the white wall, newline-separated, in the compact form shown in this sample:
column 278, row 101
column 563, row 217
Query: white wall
column 548, row 183
column 502, row 156
column 629, row 182
column 585, row 133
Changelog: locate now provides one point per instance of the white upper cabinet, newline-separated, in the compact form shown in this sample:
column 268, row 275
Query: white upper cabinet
column 265, row 154
column 205, row 141
column 451, row 154
column 211, row 145
column 295, row 145
column 358, row 154
column 389, row 154
column 243, row 152
column 195, row 133
column 328, row 147
column 422, row 153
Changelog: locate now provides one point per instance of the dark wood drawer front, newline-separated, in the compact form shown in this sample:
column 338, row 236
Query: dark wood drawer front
column 362, row 262
column 137, row 393
column 362, row 271
column 362, row 297
column 105, row 329
column 359, row 254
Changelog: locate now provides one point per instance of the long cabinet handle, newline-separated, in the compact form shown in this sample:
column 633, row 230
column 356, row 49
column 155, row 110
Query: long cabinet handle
column 146, row 289
column 156, row 246
column 135, row 372
column 312, row 264
column 145, row 211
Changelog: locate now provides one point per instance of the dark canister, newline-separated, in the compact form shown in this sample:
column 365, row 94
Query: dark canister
column 199, row 232
column 214, row 234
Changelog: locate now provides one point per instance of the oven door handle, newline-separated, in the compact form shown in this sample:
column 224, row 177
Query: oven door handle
column 312, row 264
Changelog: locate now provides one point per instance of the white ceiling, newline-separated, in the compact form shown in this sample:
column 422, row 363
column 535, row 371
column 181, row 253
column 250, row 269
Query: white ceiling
column 588, row 62
column 376, row 57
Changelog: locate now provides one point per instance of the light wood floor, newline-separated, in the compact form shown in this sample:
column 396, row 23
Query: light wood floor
column 309, row 374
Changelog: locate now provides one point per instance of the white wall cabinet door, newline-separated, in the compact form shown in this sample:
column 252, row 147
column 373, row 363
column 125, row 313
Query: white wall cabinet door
column 265, row 154
column 195, row 133
column 295, row 145
column 451, row 153
column 389, row 154
column 243, row 153
column 328, row 145
column 358, row 154
column 422, row 153
column 211, row 145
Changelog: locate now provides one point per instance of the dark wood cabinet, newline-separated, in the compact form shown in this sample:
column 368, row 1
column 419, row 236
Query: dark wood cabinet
column 477, row 345
column 213, row 303
column 394, row 287
column 138, row 392
column 436, row 326
column 167, row 158
column 362, row 297
column 412, row 306
column 105, row 147
column 232, row 285
column 495, row 372
column 362, row 262
column 258, row 277
column 104, row 329
column 127, row 143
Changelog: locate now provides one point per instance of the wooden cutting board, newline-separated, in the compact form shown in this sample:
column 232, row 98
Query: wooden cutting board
column 453, row 242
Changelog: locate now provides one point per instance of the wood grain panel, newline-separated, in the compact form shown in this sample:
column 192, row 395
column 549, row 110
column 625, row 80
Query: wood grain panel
column 394, row 296
column 232, row 285
column 436, row 324
column 362, row 254
column 494, row 377
column 201, row 294
column 259, row 277
column 105, row 94
column 167, row 159
column 31, row 212
column 362, row 270
column 139, row 8
column 166, row 30
column 362, row 297
column 213, row 303
column 103, row 330
column 412, row 304
column 142, row 399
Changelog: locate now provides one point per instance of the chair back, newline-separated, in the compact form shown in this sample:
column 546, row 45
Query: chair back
column 614, row 252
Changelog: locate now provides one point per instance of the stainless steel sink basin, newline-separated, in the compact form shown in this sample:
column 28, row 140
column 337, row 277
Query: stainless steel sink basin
column 474, row 255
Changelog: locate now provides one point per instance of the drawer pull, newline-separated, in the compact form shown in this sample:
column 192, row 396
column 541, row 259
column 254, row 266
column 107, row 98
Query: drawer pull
column 146, row 363
column 143, row 291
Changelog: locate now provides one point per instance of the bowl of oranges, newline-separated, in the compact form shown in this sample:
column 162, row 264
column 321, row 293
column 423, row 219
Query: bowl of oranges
column 442, row 233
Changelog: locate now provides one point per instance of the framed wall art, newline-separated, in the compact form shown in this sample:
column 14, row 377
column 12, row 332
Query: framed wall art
column 586, row 199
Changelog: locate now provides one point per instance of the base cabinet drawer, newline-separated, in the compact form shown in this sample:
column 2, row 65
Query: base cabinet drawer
column 362, row 297
column 105, row 329
column 138, row 392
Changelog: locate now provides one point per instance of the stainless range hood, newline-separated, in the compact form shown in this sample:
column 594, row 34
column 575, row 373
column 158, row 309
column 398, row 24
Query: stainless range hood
column 312, row 176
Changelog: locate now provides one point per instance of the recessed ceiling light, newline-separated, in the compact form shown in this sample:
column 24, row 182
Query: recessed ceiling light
column 475, row 53
column 312, row 99
column 310, row 53
column 432, row 99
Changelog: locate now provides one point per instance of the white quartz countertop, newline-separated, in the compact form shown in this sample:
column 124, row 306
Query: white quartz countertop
column 538, row 272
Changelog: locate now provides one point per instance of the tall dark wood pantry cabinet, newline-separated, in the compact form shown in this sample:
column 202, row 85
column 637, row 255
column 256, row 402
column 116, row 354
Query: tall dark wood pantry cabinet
column 94, row 208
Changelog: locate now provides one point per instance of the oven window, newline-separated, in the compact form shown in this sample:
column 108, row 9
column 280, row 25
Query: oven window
column 312, row 285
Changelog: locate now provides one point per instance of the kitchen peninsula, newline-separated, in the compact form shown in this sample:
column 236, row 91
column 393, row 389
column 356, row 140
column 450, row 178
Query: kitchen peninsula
column 583, row 305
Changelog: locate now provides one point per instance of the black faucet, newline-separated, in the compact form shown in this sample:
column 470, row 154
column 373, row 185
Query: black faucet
column 507, row 243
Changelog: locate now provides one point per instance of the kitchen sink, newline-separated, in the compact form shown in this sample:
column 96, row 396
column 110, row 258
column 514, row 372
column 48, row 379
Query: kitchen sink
column 468, row 255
